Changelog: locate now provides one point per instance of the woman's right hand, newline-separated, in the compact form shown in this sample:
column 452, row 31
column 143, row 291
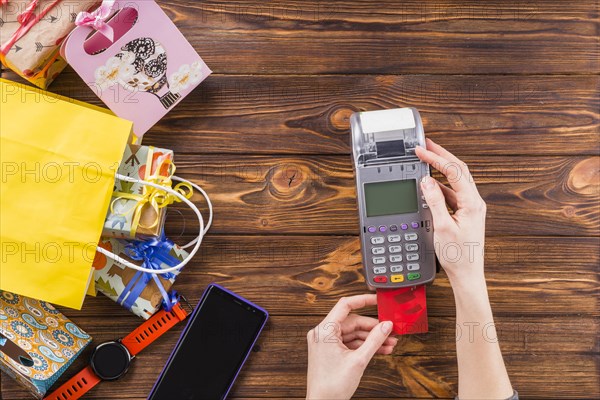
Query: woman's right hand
column 459, row 237
column 459, row 240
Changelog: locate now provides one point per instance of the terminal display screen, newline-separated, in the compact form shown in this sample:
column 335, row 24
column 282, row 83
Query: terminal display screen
column 391, row 197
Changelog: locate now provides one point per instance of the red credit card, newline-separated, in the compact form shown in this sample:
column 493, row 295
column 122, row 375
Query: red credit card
column 405, row 307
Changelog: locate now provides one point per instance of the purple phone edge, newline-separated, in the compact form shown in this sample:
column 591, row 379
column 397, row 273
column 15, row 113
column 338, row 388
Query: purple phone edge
column 191, row 318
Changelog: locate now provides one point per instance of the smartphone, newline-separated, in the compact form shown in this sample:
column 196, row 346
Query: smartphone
column 212, row 349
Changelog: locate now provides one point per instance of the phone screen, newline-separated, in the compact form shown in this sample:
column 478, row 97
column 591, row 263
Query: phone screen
column 212, row 349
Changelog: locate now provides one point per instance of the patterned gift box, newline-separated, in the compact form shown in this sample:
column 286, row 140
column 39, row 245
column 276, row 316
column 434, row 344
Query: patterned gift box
column 31, row 33
column 137, row 210
column 137, row 291
column 37, row 342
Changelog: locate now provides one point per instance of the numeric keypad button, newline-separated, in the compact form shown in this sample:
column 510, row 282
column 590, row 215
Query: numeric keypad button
column 409, row 237
column 378, row 260
column 394, row 238
column 378, row 250
column 412, row 267
column 379, row 270
column 377, row 240
column 395, row 258
column 395, row 249
column 412, row 257
column 411, row 247
column 396, row 268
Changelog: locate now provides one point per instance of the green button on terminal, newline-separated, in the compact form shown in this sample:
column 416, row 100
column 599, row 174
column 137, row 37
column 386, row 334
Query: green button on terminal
column 413, row 276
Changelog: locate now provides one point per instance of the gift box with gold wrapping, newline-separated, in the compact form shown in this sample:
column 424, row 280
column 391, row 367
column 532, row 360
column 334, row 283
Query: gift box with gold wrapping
column 137, row 210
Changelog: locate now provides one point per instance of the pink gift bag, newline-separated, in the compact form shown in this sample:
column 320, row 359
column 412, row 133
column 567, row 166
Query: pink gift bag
column 135, row 59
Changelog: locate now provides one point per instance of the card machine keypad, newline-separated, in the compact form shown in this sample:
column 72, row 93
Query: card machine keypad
column 396, row 227
column 393, row 262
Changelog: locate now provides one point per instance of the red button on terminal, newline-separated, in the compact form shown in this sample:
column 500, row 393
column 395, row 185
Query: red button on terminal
column 380, row 279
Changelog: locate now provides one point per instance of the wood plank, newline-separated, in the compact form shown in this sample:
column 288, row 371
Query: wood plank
column 391, row 37
column 316, row 195
column 285, row 194
column 475, row 115
column 435, row 376
column 418, row 360
column 300, row 275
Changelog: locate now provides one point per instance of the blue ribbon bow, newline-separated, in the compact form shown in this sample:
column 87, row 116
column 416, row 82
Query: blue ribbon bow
column 154, row 253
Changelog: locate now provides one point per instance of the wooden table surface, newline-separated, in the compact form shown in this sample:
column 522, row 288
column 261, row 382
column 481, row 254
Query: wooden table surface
column 510, row 87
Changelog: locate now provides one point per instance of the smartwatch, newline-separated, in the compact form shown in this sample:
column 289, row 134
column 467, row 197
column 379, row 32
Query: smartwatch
column 110, row 360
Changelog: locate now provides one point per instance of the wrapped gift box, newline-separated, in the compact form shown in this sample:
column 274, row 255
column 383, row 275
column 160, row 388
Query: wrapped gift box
column 132, row 214
column 137, row 291
column 37, row 342
column 30, row 47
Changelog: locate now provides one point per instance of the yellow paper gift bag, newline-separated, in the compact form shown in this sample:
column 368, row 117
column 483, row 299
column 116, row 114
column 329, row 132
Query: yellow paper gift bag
column 58, row 158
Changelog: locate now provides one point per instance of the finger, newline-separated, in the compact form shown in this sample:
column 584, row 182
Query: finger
column 438, row 149
column 356, row 344
column 437, row 204
column 362, row 335
column 356, row 322
column 460, row 180
column 450, row 196
column 385, row 350
column 375, row 340
column 345, row 305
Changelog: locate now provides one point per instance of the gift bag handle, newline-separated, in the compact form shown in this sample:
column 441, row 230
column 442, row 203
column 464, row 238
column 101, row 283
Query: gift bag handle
column 77, row 37
column 196, row 242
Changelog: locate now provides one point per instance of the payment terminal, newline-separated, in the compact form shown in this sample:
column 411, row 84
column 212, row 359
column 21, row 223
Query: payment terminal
column 395, row 222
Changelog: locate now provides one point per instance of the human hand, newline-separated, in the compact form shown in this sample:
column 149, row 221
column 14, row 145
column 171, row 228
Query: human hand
column 459, row 237
column 341, row 346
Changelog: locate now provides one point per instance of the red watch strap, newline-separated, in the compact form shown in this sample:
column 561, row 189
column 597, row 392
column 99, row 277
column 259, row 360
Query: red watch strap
column 135, row 342
column 153, row 328
column 75, row 387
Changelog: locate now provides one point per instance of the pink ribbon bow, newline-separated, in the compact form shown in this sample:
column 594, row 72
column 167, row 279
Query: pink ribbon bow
column 28, row 14
column 97, row 19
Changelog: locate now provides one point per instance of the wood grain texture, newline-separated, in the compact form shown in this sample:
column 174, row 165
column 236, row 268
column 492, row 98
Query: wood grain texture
column 390, row 37
column 306, row 275
column 513, row 88
column 316, row 194
column 422, row 365
column 470, row 115
column 298, row 279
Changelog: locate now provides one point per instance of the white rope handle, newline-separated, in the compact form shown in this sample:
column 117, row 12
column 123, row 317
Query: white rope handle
column 210, row 208
column 197, row 241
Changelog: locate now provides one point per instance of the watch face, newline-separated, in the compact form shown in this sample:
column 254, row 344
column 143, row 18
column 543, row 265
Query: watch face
column 110, row 360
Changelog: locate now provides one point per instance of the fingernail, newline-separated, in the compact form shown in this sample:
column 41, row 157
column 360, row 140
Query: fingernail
column 387, row 327
column 427, row 182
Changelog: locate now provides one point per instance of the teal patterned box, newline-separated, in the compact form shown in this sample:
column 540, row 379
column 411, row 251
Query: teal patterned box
column 37, row 342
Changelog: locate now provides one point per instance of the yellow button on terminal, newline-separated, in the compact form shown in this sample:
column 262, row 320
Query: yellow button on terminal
column 397, row 278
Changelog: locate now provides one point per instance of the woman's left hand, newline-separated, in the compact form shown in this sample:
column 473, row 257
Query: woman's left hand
column 341, row 346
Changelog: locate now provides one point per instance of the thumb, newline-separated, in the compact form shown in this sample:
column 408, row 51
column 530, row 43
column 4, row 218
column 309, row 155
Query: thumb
column 375, row 339
column 436, row 201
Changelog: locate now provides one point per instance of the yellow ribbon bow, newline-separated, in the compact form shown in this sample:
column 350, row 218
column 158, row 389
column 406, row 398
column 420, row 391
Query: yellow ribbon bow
column 151, row 196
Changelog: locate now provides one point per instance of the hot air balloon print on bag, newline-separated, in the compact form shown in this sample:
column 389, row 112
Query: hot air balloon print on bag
column 142, row 66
